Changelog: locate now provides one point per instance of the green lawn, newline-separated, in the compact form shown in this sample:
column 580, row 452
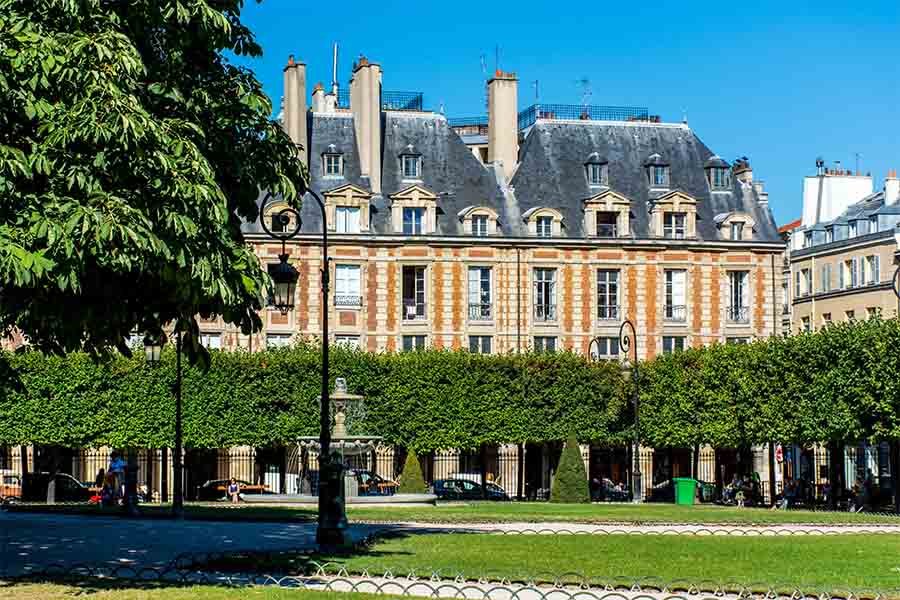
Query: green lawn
column 832, row 563
column 97, row 590
column 509, row 512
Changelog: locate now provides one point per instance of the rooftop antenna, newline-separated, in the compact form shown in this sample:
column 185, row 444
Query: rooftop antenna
column 334, row 59
column 858, row 157
column 684, row 116
column 497, row 57
column 484, row 76
column 585, row 85
column 537, row 90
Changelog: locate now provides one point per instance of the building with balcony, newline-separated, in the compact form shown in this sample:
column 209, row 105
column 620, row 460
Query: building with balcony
column 842, row 256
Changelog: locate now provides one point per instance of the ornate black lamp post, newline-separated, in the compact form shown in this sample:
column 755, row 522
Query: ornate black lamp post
column 627, row 339
column 333, row 532
column 153, row 346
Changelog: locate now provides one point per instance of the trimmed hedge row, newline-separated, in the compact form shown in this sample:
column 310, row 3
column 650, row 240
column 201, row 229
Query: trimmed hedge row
column 841, row 384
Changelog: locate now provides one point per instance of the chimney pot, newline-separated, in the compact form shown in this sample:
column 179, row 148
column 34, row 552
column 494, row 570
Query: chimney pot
column 290, row 59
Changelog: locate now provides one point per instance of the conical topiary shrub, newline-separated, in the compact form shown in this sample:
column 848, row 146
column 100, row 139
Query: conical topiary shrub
column 411, row 480
column 570, row 484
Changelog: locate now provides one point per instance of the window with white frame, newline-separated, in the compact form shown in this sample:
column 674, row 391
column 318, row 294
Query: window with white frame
column 597, row 173
column 849, row 274
column 413, row 342
column 737, row 341
column 544, row 225
column 347, row 341
column 347, row 285
column 676, row 295
column 480, row 344
column 674, row 225
column 480, row 225
column 719, row 178
column 413, row 219
column 543, row 343
column 413, row 292
column 852, row 229
column 739, row 296
column 480, row 293
column 410, row 164
column 825, row 278
column 607, row 224
column 673, row 343
column 806, row 277
column 829, row 234
column 873, row 267
column 873, row 224
column 607, row 294
column 659, row 176
column 737, row 231
column 544, row 294
column 346, row 219
column 213, row 341
column 333, row 165
column 604, row 348
column 278, row 340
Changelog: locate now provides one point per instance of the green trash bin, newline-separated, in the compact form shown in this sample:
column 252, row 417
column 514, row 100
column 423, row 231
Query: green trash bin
column 685, row 490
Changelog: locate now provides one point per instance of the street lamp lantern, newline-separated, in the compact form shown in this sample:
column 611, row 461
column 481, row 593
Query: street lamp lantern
column 153, row 346
column 284, row 276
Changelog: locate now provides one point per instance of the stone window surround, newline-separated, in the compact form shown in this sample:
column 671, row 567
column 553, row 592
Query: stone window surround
column 340, row 173
column 531, row 216
column 677, row 202
column 737, row 217
column 349, row 196
column 415, row 324
column 607, row 201
column 467, row 214
column 362, row 264
column 554, row 323
column 415, row 196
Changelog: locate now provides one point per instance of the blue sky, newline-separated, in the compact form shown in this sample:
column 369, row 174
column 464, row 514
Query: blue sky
column 780, row 82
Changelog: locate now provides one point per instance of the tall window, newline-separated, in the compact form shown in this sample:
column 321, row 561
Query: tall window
column 659, row 176
column 607, row 294
column 480, row 225
column 606, row 224
column 544, row 343
column 347, row 341
column 673, row 343
column 346, row 219
column 676, row 294
column 480, row 344
column 347, row 285
column 604, row 348
column 213, row 341
column 739, row 296
column 413, row 342
column 785, row 298
column 737, row 231
column 718, row 178
column 852, row 232
column 873, row 266
column 674, row 225
column 412, row 220
column 806, row 276
column 596, row 173
column 333, row 165
column 849, row 276
column 544, row 294
column 479, row 293
column 410, row 166
column 544, row 226
column 413, row 293
column 825, row 278
column 829, row 234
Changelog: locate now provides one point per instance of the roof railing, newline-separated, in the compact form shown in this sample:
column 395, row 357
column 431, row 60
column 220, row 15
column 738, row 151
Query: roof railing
column 582, row 112
column 413, row 101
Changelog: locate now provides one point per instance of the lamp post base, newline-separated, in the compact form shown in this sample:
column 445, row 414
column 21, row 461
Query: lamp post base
column 334, row 540
column 333, row 533
column 638, row 492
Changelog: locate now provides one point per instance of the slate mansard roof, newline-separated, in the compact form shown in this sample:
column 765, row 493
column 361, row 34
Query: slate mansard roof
column 550, row 174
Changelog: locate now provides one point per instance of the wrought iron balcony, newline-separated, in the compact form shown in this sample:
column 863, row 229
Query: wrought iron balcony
column 675, row 313
column 738, row 314
column 608, row 312
column 412, row 310
column 348, row 300
column 544, row 312
column 480, row 311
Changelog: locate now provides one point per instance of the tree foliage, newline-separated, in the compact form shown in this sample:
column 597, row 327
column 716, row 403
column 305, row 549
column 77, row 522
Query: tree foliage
column 130, row 151
column 570, row 484
column 411, row 479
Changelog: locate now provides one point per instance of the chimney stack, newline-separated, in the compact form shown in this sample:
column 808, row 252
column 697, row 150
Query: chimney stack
column 891, row 188
column 762, row 196
column 503, row 123
column 318, row 99
column 365, row 103
column 295, row 106
column 743, row 172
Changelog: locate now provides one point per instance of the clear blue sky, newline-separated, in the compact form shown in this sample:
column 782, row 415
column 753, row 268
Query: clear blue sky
column 780, row 82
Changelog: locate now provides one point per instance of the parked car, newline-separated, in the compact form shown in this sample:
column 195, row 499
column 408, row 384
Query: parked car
column 215, row 489
column 373, row 484
column 465, row 489
column 10, row 488
column 35, row 486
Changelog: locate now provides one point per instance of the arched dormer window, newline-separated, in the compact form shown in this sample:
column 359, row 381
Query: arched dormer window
column 718, row 174
column 658, row 172
column 737, row 226
column 332, row 162
column 277, row 218
column 479, row 221
column 411, row 164
column 544, row 222
column 596, row 169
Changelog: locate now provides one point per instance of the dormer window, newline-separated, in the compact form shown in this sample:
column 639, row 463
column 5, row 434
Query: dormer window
column 410, row 163
column 479, row 221
column 657, row 172
column 414, row 211
column 333, row 165
column 674, row 225
column 544, row 226
column 480, row 225
column 674, row 216
column 596, row 170
column 737, row 231
column 412, row 220
column 718, row 174
column 737, row 226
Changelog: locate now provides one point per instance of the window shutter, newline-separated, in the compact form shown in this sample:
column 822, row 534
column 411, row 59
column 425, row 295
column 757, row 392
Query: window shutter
column 854, row 276
column 841, row 276
column 474, row 285
column 745, row 290
column 876, row 269
column 797, row 291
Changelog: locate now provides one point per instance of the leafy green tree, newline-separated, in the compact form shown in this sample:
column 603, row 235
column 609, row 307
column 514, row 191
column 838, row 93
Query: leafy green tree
column 130, row 151
column 570, row 484
column 411, row 480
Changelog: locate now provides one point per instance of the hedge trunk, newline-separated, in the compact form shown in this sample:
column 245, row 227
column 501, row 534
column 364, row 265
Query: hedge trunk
column 570, row 484
column 411, row 480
